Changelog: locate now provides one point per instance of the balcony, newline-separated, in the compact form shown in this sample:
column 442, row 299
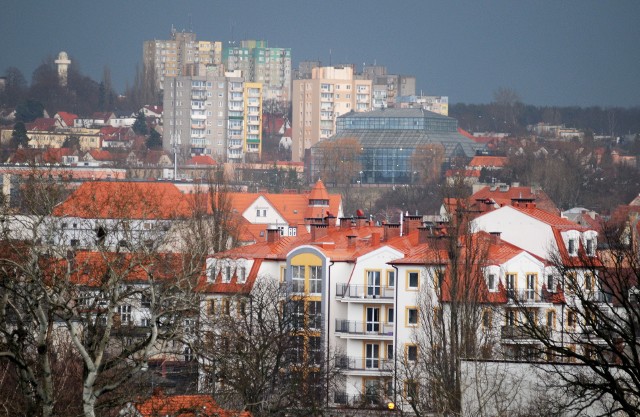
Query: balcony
column 198, row 126
column 366, row 292
column 351, row 363
column 523, row 333
column 524, row 296
column 198, row 116
column 198, row 96
column 197, row 106
column 373, row 400
column 364, row 328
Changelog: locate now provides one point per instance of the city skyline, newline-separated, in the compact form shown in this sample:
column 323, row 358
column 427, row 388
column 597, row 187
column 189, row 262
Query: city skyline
column 550, row 53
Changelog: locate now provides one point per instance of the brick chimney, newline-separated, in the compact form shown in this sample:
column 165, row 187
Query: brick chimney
column 273, row 235
column 351, row 241
column 495, row 237
column 411, row 223
column 331, row 221
column 424, row 233
column 318, row 231
column 361, row 222
column 345, row 222
column 375, row 238
column 391, row 230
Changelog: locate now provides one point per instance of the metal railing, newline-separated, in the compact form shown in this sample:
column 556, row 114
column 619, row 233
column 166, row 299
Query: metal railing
column 364, row 291
column 523, row 332
column 364, row 364
column 364, row 328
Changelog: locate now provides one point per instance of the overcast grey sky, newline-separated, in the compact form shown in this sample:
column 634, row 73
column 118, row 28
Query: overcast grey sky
column 577, row 52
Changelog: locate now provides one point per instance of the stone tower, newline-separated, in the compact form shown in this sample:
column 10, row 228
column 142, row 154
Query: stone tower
column 63, row 63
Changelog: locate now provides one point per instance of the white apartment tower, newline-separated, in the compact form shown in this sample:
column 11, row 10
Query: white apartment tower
column 215, row 114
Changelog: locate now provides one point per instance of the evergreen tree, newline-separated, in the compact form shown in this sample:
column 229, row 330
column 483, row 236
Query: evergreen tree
column 19, row 138
column 154, row 141
column 140, row 125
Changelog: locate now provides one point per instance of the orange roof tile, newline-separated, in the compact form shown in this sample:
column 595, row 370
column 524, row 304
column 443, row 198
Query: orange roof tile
column 201, row 160
column 200, row 405
column 118, row 200
column 488, row 161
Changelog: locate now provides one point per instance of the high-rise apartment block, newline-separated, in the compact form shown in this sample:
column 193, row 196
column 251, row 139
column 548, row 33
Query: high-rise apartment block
column 180, row 55
column 318, row 101
column 259, row 63
column 388, row 87
column 218, row 114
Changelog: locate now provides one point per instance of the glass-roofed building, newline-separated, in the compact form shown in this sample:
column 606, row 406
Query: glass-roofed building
column 390, row 139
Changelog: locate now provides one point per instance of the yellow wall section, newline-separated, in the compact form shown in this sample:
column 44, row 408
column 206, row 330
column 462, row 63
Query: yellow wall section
column 306, row 259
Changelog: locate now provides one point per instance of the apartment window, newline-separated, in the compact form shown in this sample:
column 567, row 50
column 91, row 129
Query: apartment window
column 551, row 319
column 298, row 314
column 531, row 286
column 391, row 279
column 373, row 319
column 211, row 307
column 511, row 285
column 412, row 316
column 510, row 318
column 551, row 285
column 315, row 279
column 412, row 280
column 486, row 318
column 242, row 308
column 314, row 314
column 412, row 352
column 390, row 314
column 373, row 283
column 589, row 282
column 572, row 247
column 145, row 300
column 227, row 274
column 390, row 351
column 242, row 275
column 125, row 313
column 591, row 247
column 297, row 277
column 226, row 309
column 315, row 350
column 491, row 282
column 571, row 318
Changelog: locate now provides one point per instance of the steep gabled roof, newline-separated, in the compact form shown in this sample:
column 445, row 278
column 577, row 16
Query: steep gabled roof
column 505, row 195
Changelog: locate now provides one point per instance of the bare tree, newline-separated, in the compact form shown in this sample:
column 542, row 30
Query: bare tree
column 599, row 327
column 452, row 306
column 113, row 306
column 264, row 353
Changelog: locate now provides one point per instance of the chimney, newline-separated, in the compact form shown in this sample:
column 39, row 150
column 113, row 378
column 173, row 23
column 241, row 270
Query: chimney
column 351, row 241
column 424, row 233
column 273, row 235
column 375, row 238
column 391, row 230
column 495, row 237
column 411, row 223
column 360, row 222
column 345, row 222
column 318, row 231
column 331, row 221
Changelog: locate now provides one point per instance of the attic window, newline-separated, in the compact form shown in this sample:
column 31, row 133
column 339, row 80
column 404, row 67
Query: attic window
column 572, row 247
column 491, row 282
column 590, row 247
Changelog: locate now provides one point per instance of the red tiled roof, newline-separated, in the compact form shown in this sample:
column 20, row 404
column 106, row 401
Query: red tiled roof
column 67, row 118
column 505, row 197
column 196, row 405
column 201, row 160
column 100, row 155
column 42, row 124
column 117, row 200
column 54, row 155
column 488, row 161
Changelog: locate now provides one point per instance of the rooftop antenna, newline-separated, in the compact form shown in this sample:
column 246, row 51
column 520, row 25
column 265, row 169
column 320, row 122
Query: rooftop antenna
column 329, row 56
column 190, row 23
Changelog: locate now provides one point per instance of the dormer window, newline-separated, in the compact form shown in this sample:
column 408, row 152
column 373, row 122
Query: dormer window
column 491, row 282
column 573, row 250
column 318, row 202
column 590, row 247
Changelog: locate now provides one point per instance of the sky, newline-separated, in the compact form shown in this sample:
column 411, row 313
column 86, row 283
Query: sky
column 562, row 53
